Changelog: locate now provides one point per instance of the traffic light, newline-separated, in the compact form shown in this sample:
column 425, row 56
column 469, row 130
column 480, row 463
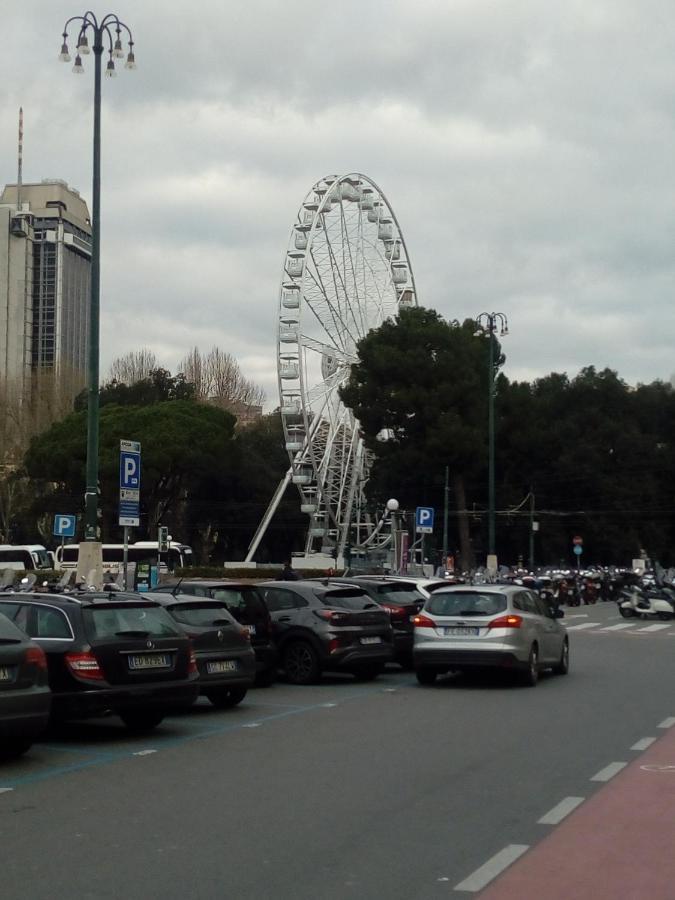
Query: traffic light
column 163, row 539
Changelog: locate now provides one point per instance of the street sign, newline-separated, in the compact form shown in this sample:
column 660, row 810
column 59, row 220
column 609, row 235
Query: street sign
column 130, row 483
column 577, row 540
column 424, row 520
column 578, row 549
column 64, row 525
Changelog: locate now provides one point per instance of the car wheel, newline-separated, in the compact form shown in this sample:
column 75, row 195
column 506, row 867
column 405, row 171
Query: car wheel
column 301, row 663
column 141, row 720
column 266, row 678
column 12, row 748
column 563, row 666
column 426, row 676
column 531, row 674
column 367, row 673
column 665, row 617
column 225, row 698
column 626, row 612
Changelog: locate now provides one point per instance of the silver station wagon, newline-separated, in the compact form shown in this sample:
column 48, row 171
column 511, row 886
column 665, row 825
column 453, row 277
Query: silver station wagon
column 488, row 626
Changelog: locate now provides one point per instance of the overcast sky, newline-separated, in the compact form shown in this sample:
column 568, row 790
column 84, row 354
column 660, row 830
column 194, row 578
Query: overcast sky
column 527, row 148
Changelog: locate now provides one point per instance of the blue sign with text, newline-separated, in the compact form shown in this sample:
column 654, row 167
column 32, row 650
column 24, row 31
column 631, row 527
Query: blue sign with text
column 64, row 525
column 424, row 520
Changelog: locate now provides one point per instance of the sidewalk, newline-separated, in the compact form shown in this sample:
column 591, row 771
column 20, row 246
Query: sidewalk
column 619, row 844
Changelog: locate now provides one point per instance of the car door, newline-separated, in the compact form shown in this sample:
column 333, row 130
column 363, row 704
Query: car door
column 282, row 605
column 547, row 628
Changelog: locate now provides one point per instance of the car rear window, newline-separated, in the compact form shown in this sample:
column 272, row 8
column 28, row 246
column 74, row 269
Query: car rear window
column 466, row 603
column 347, row 598
column 116, row 621
column 398, row 593
column 200, row 614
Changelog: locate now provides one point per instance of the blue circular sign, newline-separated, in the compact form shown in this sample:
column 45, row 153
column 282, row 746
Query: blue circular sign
column 578, row 549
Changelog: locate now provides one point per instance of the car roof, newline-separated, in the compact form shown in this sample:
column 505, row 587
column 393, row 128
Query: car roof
column 86, row 598
column 166, row 598
column 208, row 582
column 481, row 588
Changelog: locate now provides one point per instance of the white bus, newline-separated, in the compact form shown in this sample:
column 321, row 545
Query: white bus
column 28, row 557
column 178, row 555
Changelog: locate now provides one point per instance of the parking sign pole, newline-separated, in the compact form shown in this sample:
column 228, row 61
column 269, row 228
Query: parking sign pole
column 125, row 557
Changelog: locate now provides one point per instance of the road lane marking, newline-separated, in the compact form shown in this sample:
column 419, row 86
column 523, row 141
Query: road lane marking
column 643, row 743
column 577, row 616
column 654, row 628
column 609, row 771
column 493, row 867
column 583, row 625
column 619, row 627
column 143, row 752
column 560, row 811
column 5, row 790
column 669, row 770
column 667, row 723
column 252, row 725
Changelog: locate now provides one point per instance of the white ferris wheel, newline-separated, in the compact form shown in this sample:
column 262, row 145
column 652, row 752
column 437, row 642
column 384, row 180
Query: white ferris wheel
column 346, row 270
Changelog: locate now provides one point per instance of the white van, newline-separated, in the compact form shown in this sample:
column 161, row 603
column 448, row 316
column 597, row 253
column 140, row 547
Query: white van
column 24, row 557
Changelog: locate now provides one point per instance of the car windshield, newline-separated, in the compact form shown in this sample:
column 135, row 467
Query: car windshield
column 348, row 598
column 466, row 603
column 118, row 621
column 200, row 614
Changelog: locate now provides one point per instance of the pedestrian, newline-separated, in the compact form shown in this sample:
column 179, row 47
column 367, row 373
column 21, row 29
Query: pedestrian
column 288, row 573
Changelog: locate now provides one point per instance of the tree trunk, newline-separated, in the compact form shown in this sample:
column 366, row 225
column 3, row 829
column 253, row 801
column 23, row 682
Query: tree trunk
column 466, row 561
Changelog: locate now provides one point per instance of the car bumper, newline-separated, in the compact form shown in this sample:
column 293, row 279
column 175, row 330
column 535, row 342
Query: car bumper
column 82, row 704
column 461, row 658
column 266, row 657
column 242, row 676
column 26, row 714
column 354, row 657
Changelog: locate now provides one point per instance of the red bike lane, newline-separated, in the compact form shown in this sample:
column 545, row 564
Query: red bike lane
column 618, row 844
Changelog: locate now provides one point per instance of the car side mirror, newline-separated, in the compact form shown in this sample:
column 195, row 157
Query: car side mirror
column 558, row 613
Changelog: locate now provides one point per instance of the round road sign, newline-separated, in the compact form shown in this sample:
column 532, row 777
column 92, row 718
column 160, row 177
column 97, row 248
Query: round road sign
column 578, row 549
column 577, row 540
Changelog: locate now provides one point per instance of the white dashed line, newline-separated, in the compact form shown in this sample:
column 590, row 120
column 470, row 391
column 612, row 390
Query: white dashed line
column 493, row 867
column 583, row 625
column 620, row 626
column 609, row 771
column 643, row 743
column 5, row 790
column 658, row 627
column 328, row 705
column 252, row 725
column 144, row 752
column 667, row 723
column 560, row 811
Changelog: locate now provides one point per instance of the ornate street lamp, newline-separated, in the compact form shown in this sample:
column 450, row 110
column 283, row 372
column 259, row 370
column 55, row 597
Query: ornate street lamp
column 488, row 324
column 105, row 35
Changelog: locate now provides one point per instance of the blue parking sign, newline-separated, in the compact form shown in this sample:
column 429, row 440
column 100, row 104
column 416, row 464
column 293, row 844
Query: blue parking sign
column 64, row 525
column 424, row 520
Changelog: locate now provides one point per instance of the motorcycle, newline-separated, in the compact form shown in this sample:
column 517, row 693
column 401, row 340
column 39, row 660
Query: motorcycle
column 635, row 602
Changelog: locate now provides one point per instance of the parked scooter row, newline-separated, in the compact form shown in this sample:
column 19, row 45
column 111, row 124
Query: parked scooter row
column 636, row 601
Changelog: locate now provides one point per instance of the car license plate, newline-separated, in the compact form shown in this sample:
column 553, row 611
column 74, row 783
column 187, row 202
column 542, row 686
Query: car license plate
column 150, row 661
column 222, row 665
column 371, row 640
column 6, row 674
column 459, row 631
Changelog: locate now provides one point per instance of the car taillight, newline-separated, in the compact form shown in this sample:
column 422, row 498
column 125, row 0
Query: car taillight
column 36, row 656
column 328, row 615
column 506, row 622
column 192, row 662
column 396, row 612
column 84, row 665
column 245, row 633
column 420, row 621
column 333, row 645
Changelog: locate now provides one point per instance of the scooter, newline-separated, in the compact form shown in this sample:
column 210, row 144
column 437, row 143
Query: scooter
column 634, row 602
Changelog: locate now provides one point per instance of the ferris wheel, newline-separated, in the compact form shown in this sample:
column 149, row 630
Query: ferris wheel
column 346, row 271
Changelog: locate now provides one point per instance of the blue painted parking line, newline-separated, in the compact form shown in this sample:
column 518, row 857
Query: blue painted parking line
column 107, row 757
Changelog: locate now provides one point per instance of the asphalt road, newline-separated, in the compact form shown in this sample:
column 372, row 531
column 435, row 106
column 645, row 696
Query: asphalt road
column 381, row 790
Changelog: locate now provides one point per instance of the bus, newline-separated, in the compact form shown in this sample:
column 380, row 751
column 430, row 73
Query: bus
column 24, row 557
column 178, row 556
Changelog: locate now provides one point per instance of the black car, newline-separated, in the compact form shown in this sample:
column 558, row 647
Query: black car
column 244, row 601
column 25, row 698
column 222, row 646
column 403, row 601
column 327, row 627
column 116, row 652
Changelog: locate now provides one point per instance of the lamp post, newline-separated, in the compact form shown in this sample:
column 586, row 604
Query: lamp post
column 488, row 324
column 101, row 33
column 392, row 506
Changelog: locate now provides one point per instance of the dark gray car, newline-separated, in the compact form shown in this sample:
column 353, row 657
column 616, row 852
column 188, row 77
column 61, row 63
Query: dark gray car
column 25, row 698
column 327, row 627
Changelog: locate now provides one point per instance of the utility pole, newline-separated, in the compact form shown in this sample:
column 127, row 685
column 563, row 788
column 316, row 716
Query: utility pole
column 532, row 529
column 445, row 518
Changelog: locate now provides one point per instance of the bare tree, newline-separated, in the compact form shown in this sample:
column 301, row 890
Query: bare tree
column 133, row 366
column 217, row 377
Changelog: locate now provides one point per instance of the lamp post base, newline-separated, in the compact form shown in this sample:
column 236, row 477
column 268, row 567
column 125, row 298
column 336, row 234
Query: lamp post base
column 90, row 564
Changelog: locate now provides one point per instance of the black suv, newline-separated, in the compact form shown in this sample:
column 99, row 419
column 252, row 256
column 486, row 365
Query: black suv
column 245, row 602
column 25, row 697
column 222, row 646
column 402, row 600
column 118, row 652
column 328, row 627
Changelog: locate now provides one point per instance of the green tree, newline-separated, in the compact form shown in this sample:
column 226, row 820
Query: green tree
column 419, row 390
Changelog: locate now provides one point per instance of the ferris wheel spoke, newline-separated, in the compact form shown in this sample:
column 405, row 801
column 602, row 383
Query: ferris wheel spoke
column 330, row 350
column 336, row 273
column 347, row 242
column 325, row 299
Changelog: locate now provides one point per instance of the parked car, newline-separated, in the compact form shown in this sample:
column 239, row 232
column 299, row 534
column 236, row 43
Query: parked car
column 322, row 627
column 245, row 602
column 25, row 698
column 402, row 599
column 109, row 652
column 222, row 646
column 489, row 626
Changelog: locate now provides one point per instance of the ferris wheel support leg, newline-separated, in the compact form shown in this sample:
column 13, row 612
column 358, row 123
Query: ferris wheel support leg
column 269, row 514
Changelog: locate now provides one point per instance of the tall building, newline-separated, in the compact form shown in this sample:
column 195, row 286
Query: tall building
column 45, row 261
